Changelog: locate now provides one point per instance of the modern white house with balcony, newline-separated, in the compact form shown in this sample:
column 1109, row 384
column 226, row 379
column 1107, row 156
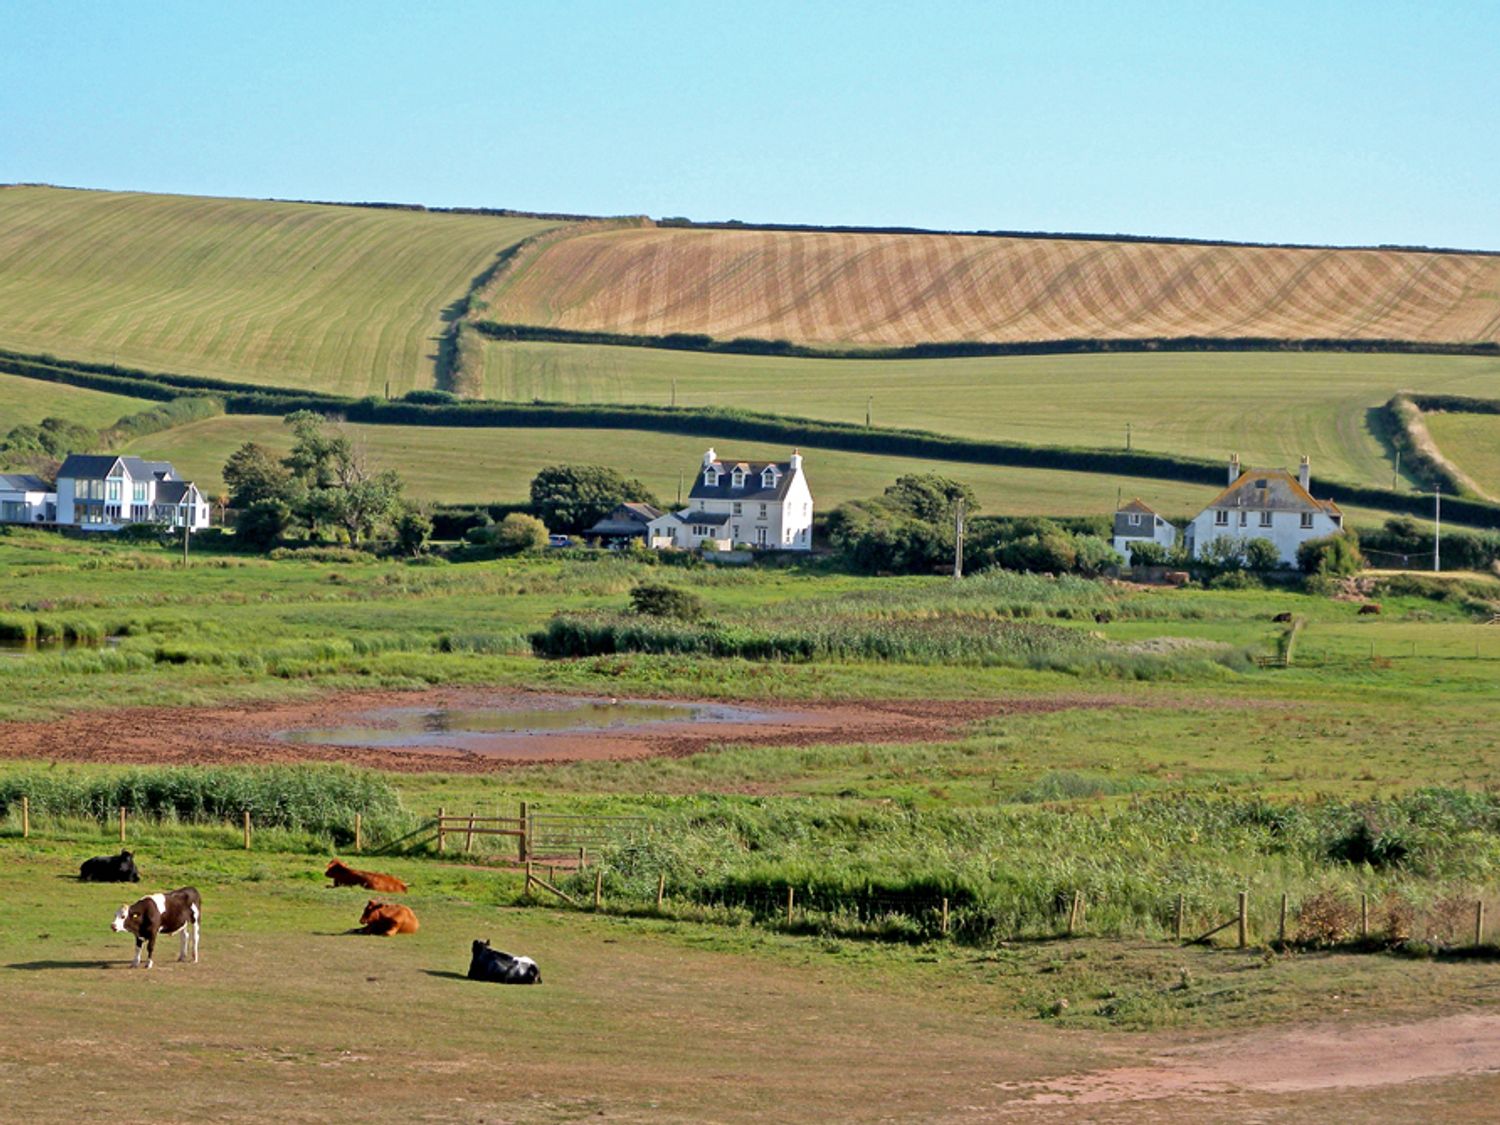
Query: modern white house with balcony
column 105, row 492
column 761, row 504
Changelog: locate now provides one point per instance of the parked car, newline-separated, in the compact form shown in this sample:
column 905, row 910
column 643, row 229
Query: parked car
column 559, row 541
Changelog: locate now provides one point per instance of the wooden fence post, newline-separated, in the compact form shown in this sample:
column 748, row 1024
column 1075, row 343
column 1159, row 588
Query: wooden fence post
column 122, row 824
column 1075, row 912
column 1178, row 927
column 1364, row 915
column 791, row 898
column 25, row 817
column 945, row 916
column 358, row 837
column 1479, row 922
column 528, row 876
column 661, row 889
column 1281, row 928
column 442, row 837
column 523, row 841
column 247, row 830
column 469, row 839
column 583, row 856
column 598, row 888
column 1244, row 919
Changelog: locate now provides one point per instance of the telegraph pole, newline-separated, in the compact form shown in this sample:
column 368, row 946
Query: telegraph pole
column 869, row 410
column 1127, row 437
column 1437, row 527
column 958, row 539
column 674, row 392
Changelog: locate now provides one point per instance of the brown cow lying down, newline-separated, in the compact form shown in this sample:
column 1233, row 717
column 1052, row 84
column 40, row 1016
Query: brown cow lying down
column 387, row 918
column 345, row 876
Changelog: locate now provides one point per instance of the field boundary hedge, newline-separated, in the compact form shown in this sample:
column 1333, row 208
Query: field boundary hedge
column 1408, row 431
column 968, row 349
column 250, row 398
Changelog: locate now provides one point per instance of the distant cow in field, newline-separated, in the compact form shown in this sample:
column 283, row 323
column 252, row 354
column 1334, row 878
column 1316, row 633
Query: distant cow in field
column 1282, row 618
column 1369, row 608
column 492, row 965
column 170, row 912
column 345, row 876
column 387, row 918
column 109, row 869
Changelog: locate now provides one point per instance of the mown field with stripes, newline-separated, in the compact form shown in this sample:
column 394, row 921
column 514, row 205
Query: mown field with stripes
column 345, row 299
column 823, row 287
column 1472, row 442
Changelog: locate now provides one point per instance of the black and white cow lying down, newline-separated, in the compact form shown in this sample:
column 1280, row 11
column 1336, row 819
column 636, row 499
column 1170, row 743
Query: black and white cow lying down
column 170, row 912
column 492, row 965
column 109, row 869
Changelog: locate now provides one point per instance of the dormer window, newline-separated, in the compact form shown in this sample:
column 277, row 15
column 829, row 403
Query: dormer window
column 768, row 477
column 711, row 478
column 737, row 478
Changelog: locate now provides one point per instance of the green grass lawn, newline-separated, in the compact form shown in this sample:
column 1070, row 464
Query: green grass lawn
column 1472, row 442
column 1268, row 407
column 28, row 401
column 341, row 299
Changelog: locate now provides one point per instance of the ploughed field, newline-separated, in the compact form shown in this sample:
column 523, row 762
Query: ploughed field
column 816, row 287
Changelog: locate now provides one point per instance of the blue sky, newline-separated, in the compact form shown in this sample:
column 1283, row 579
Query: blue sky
column 1303, row 122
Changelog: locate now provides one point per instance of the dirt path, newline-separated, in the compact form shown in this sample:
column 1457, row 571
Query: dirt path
column 1293, row 1063
column 252, row 733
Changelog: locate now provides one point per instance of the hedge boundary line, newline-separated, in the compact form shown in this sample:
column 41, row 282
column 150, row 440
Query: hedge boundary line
column 1404, row 416
column 964, row 349
column 247, row 398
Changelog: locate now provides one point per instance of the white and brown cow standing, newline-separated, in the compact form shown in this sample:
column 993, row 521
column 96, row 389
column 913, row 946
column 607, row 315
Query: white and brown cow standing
column 170, row 912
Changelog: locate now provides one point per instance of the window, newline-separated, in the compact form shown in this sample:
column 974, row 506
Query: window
column 1135, row 519
column 736, row 507
column 711, row 478
column 1306, row 520
column 1244, row 518
column 1260, row 483
column 138, row 492
column 768, row 478
column 738, row 478
column 112, row 489
column 760, row 537
column 736, row 533
column 139, row 512
column 1221, row 519
column 1265, row 519
column 762, row 511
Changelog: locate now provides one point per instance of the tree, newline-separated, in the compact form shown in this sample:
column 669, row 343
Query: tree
column 1094, row 555
column 253, row 474
column 518, row 533
column 570, row 498
column 875, row 536
column 413, row 529
column 1261, row 555
column 1222, row 553
column 1332, row 556
column 263, row 523
column 316, row 449
column 931, row 498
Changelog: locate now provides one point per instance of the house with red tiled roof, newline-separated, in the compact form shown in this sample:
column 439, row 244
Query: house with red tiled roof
column 1136, row 522
column 1265, row 504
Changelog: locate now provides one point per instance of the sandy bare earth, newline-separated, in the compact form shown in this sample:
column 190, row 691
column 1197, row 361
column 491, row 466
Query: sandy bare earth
column 254, row 733
column 1293, row 1063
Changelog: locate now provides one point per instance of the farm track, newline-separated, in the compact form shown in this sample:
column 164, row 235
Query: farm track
column 886, row 289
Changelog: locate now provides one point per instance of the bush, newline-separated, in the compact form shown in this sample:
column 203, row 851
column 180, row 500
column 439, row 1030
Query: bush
column 660, row 600
column 430, row 397
column 413, row 530
column 1332, row 556
column 1261, row 555
column 517, row 534
column 1148, row 552
column 263, row 523
column 1325, row 918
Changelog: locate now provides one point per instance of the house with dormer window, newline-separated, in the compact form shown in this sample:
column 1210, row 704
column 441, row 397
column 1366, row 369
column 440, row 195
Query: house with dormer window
column 1265, row 504
column 762, row 504
column 105, row 492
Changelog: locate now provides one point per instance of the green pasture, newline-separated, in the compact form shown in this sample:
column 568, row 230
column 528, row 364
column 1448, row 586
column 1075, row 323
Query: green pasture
column 28, row 401
column 342, row 299
column 1269, row 407
column 1472, row 442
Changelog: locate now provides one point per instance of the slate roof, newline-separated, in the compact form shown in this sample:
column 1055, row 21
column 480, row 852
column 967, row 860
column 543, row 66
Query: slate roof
column 627, row 519
column 715, row 519
column 172, row 491
column 23, row 482
column 1140, row 507
column 96, row 466
column 752, row 488
column 1269, row 490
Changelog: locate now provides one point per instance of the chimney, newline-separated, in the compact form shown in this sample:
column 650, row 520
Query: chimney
column 1304, row 473
column 1234, row 467
column 796, row 462
column 710, row 457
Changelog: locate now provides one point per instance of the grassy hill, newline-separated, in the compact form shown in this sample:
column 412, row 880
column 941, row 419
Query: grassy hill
column 1472, row 442
column 344, row 299
column 822, row 287
column 1270, row 407
column 27, row 401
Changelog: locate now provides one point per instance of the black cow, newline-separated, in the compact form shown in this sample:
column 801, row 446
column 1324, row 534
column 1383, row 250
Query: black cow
column 170, row 912
column 109, row 869
column 492, row 965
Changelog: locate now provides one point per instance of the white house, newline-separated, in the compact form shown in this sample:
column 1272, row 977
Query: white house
column 1265, row 504
column 764, row 504
column 104, row 492
column 26, row 499
column 1137, row 523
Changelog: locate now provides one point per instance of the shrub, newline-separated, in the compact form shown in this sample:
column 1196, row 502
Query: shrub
column 1261, row 555
column 660, row 600
column 518, row 533
column 263, row 523
column 430, row 397
column 1148, row 552
column 1325, row 918
column 1332, row 556
column 413, row 530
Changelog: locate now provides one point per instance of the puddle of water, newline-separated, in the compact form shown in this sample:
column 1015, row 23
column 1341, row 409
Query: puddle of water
column 17, row 646
column 489, row 728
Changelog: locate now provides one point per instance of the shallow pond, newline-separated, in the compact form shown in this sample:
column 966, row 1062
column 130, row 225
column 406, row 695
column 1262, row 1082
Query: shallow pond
column 490, row 728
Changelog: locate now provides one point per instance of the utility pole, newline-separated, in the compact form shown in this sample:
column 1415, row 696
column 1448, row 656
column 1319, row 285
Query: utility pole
column 187, row 527
column 1437, row 527
column 958, row 539
column 869, row 409
column 679, row 489
column 1127, row 437
column 674, row 392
